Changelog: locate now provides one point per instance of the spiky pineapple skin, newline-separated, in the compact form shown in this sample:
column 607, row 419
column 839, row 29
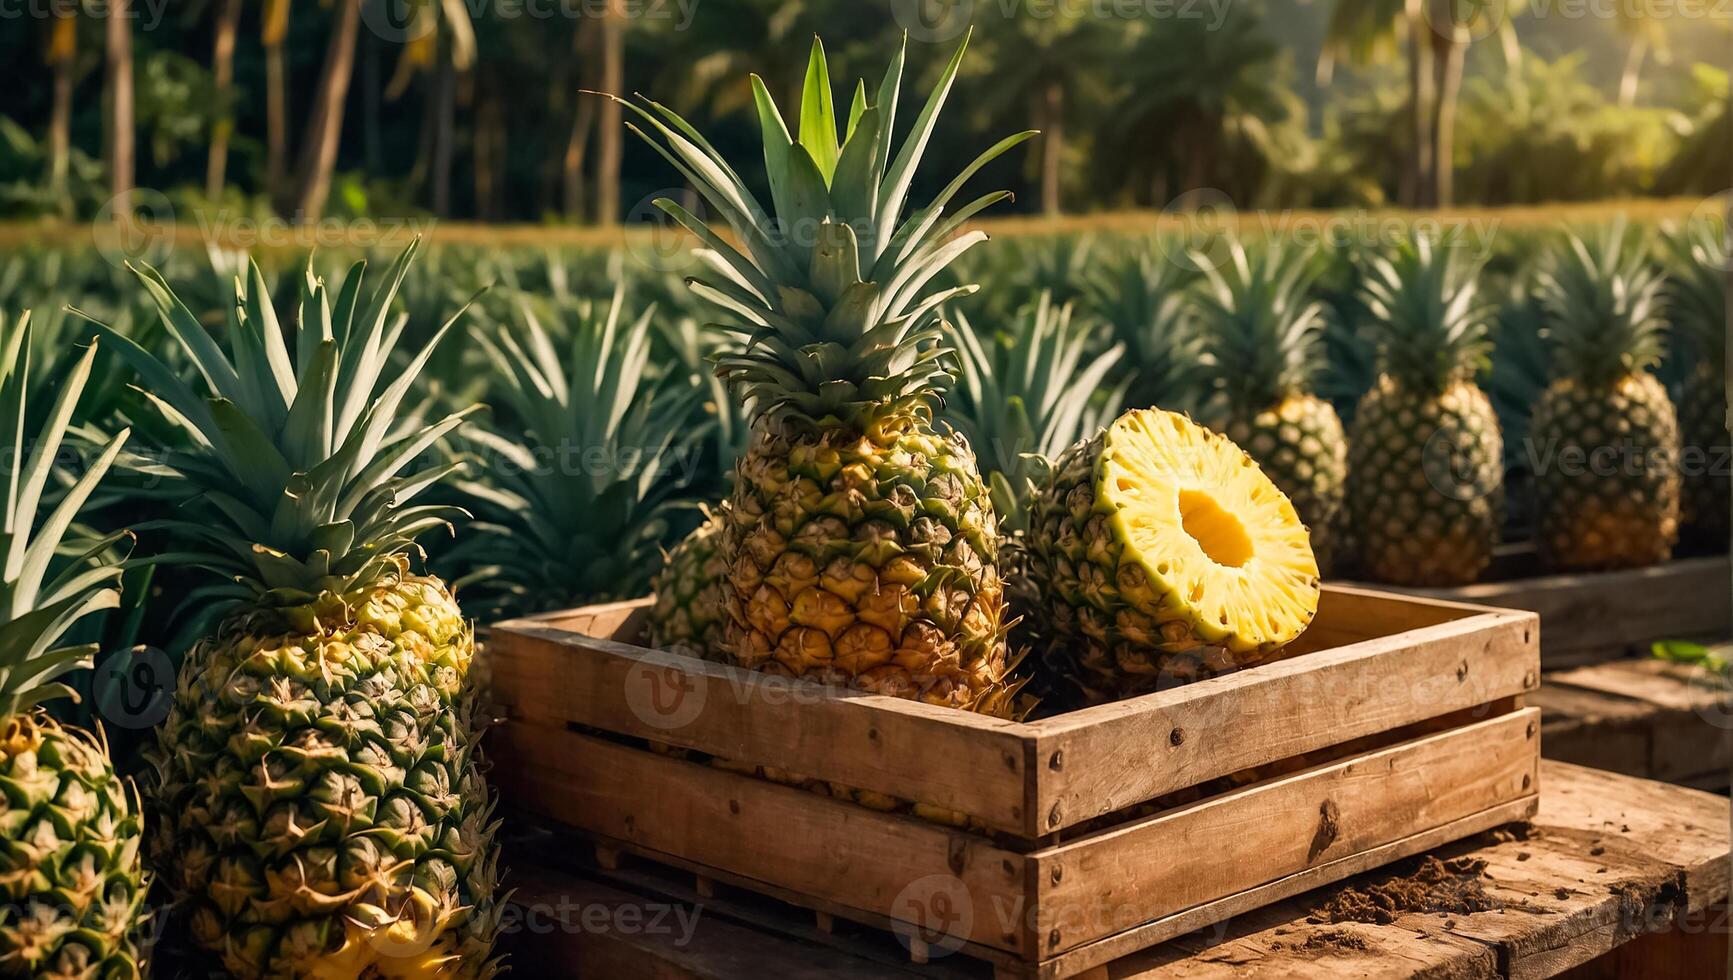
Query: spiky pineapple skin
column 1622, row 512
column 1302, row 446
column 1108, row 629
column 1426, row 500
column 688, row 614
column 71, row 873
column 1704, row 506
column 867, row 559
column 320, row 809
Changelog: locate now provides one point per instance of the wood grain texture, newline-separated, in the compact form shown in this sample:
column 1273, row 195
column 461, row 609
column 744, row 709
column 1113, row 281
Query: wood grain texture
column 759, row 831
column 550, row 672
column 1601, row 615
column 1154, row 868
column 1102, row 759
column 1663, row 851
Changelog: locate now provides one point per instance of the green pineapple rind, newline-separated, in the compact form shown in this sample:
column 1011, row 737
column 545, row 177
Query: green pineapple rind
column 318, row 802
column 72, row 889
column 1427, row 496
column 1605, row 435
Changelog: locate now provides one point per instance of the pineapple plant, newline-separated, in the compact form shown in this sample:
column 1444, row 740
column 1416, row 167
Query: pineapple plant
column 1605, row 436
column 1699, row 312
column 1262, row 339
column 1024, row 395
column 74, row 885
column 1142, row 296
column 571, row 484
column 687, row 616
column 861, row 542
column 1425, row 447
column 317, row 797
column 1163, row 555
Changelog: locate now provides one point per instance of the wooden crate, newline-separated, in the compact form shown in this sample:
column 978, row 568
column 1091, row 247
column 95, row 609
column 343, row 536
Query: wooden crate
column 1396, row 727
column 1593, row 617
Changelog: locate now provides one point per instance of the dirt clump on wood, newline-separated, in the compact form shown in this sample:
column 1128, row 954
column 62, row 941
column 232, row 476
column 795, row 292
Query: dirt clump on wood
column 1328, row 941
column 1454, row 886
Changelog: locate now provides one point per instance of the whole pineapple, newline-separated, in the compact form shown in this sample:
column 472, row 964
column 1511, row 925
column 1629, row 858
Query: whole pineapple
column 319, row 808
column 1605, row 437
column 1262, row 339
column 1165, row 555
column 861, row 541
column 1699, row 311
column 1425, row 447
column 689, row 614
column 72, row 884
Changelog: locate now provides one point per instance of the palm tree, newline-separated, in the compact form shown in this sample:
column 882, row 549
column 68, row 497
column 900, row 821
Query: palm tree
column 612, row 134
column 222, row 78
column 1046, row 67
column 441, row 40
column 118, row 106
column 325, row 124
column 273, row 34
column 1200, row 90
column 61, row 57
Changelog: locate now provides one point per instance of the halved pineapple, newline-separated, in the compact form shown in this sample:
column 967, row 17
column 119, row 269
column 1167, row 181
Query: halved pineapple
column 1164, row 555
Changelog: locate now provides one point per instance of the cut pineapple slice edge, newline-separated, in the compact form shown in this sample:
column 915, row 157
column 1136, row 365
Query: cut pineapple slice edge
column 1206, row 523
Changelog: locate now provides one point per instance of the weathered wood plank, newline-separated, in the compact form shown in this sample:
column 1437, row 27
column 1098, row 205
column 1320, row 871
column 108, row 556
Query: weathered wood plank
column 758, row 830
column 1679, row 713
column 1102, row 759
column 552, row 675
column 1607, row 614
column 1102, row 885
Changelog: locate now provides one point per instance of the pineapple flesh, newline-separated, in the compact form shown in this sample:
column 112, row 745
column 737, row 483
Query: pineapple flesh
column 1605, row 436
column 860, row 543
column 72, row 881
column 1426, row 500
column 319, row 808
column 1166, row 555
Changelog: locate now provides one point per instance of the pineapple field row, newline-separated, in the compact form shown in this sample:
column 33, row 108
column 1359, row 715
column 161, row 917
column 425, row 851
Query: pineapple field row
column 850, row 443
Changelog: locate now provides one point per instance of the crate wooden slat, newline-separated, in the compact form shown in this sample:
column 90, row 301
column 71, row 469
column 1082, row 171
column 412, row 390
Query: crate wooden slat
column 1639, row 717
column 1397, row 726
column 1596, row 616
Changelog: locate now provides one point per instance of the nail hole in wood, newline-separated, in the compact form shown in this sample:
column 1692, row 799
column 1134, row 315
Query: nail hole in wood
column 1176, row 737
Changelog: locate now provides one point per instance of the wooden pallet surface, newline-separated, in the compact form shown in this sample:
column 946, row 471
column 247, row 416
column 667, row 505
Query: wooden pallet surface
column 1642, row 718
column 1610, row 859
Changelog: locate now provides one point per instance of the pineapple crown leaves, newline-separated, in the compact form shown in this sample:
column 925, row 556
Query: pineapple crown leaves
column 291, row 467
column 1603, row 303
column 1027, row 392
column 1425, row 315
column 1143, row 297
column 834, row 293
column 572, row 504
column 1262, row 332
column 1697, row 287
column 53, row 575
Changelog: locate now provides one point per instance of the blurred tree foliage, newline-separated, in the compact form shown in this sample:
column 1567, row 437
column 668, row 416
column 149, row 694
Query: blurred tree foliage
column 475, row 110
